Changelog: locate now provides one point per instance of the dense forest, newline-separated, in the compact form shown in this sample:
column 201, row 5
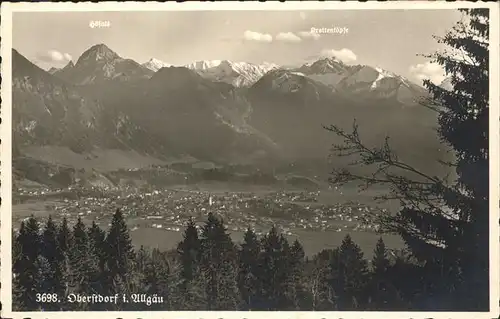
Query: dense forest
column 445, row 226
column 208, row 272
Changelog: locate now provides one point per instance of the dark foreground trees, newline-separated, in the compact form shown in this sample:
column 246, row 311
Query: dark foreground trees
column 445, row 224
column 26, row 250
column 207, row 271
column 266, row 273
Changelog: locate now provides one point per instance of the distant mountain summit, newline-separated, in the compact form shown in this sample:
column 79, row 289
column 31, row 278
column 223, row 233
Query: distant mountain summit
column 98, row 64
column 53, row 70
column 65, row 69
column 239, row 74
column 155, row 64
column 323, row 66
column 68, row 66
column 375, row 83
column 96, row 53
column 328, row 71
column 362, row 81
column 294, row 84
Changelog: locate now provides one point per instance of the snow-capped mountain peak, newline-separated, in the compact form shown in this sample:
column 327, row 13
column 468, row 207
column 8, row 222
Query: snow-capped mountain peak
column 328, row 64
column 235, row 73
column 203, row 65
column 385, row 73
column 155, row 64
column 381, row 75
column 323, row 66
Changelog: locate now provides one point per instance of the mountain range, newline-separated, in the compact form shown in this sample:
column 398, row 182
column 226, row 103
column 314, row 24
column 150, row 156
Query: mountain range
column 329, row 71
column 217, row 111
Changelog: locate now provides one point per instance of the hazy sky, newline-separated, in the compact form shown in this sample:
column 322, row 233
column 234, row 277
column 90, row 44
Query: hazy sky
column 390, row 39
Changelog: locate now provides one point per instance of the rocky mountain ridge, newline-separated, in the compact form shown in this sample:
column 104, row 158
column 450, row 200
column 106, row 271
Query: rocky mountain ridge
column 99, row 64
column 205, row 112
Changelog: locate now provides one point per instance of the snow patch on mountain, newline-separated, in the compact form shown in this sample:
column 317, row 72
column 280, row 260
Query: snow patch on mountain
column 155, row 64
column 404, row 81
column 326, row 65
column 239, row 74
column 381, row 74
column 203, row 65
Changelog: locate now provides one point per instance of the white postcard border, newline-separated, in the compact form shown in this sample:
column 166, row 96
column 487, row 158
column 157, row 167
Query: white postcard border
column 7, row 10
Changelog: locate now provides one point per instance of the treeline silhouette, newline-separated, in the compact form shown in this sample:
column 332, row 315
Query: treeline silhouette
column 207, row 271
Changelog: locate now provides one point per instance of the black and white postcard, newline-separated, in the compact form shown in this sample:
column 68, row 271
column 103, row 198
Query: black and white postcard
column 250, row 160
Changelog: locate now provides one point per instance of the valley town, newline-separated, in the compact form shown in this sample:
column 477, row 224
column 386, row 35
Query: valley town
column 169, row 210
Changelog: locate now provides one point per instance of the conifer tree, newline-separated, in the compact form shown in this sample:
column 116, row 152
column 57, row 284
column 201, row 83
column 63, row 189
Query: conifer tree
column 157, row 278
column 97, row 239
column 298, row 293
column 381, row 288
column 120, row 285
column 191, row 285
column 219, row 265
column 248, row 276
column 84, row 269
column 142, row 259
column 65, row 242
column 120, row 254
column 189, row 251
column 52, row 254
column 174, row 298
column 98, row 250
column 50, row 243
column 380, row 261
column 25, row 267
column 64, row 236
column 406, row 276
column 193, row 295
column 444, row 222
column 321, row 291
column 349, row 279
column 18, row 292
column 275, row 274
column 464, row 125
column 43, row 281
